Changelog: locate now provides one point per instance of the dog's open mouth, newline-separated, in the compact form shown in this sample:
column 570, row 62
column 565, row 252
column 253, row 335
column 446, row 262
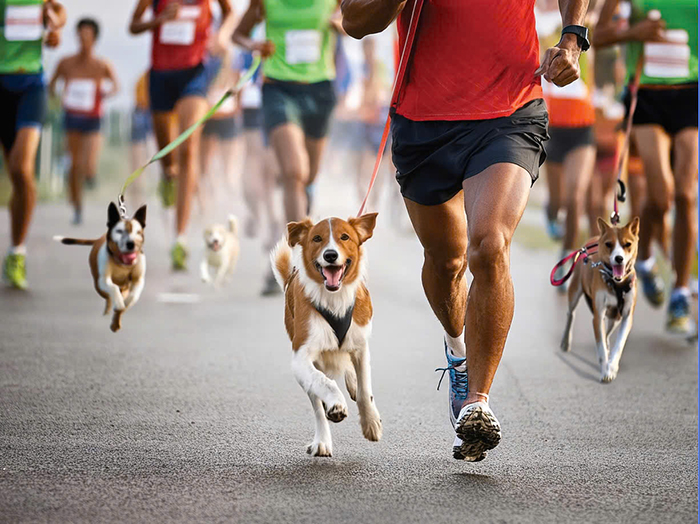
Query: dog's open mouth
column 128, row 259
column 332, row 275
column 214, row 246
column 618, row 271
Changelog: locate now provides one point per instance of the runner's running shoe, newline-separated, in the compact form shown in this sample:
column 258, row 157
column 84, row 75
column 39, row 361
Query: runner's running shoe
column 479, row 431
column 14, row 271
column 178, row 257
column 678, row 321
column 458, row 384
column 554, row 228
column 167, row 191
column 652, row 285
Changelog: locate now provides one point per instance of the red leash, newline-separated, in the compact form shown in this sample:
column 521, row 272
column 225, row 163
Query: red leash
column 586, row 251
column 398, row 81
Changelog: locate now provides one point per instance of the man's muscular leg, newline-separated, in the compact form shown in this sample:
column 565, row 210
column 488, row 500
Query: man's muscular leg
column 494, row 201
column 442, row 230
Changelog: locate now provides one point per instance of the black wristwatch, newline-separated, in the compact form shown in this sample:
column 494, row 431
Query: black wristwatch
column 581, row 32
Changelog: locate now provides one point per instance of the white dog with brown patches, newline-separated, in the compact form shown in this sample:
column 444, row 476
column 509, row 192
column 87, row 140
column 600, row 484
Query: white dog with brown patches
column 221, row 252
column 328, row 317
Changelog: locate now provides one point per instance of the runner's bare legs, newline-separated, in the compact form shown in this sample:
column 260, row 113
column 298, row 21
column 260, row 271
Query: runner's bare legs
column 21, row 161
column 288, row 142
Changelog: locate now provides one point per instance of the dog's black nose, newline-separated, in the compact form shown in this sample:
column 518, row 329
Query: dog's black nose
column 330, row 256
column 619, row 259
column 130, row 245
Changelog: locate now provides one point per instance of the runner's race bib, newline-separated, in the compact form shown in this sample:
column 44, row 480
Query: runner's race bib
column 80, row 95
column 303, row 46
column 181, row 31
column 23, row 23
column 668, row 59
column 251, row 97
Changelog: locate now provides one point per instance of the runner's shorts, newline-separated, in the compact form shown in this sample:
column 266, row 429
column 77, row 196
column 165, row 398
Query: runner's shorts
column 433, row 158
column 22, row 104
column 141, row 125
column 221, row 128
column 81, row 123
column 308, row 105
column 252, row 118
column 563, row 140
column 165, row 88
column 672, row 107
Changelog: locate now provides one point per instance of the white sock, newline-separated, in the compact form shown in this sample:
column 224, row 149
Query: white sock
column 18, row 250
column 181, row 239
column 680, row 291
column 646, row 265
column 456, row 347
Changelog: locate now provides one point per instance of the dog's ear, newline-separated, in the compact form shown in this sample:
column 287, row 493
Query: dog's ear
column 634, row 226
column 112, row 215
column 364, row 226
column 140, row 216
column 296, row 231
column 603, row 226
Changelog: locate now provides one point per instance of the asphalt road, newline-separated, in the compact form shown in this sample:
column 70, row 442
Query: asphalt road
column 191, row 412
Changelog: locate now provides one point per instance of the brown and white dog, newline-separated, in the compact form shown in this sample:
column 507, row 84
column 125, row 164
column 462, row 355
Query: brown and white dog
column 221, row 252
column 608, row 281
column 117, row 262
column 328, row 316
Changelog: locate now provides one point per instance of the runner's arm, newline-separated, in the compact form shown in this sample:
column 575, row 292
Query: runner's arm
column 58, row 73
column 138, row 25
column 111, row 75
column 252, row 17
column 608, row 32
column 54, row 15
column 222, row 39
column 366, row 17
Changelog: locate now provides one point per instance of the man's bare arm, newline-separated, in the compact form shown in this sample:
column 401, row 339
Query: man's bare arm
column 366, row 17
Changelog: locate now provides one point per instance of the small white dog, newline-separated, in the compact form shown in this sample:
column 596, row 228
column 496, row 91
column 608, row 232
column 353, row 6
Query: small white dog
column 221, row 252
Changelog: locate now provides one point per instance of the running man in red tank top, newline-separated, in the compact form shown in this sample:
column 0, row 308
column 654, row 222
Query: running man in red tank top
column 181, row 71
column 468, row 131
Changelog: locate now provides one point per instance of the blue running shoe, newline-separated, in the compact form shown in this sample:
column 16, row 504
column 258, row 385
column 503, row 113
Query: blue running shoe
column 458, row 384
column 555, row 230
column 678, row 321
column 652, row 285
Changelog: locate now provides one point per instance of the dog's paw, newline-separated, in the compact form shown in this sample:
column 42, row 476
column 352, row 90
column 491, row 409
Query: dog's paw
column 608, row 374
column 372, row 428
column 337, row 413
column 116, row 326
column 320, row 449
column 565, row 346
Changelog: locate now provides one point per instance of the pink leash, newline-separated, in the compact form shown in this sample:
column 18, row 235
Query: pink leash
column 398, row 81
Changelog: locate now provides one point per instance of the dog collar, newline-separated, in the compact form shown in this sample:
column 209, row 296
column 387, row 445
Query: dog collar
column 339, row 325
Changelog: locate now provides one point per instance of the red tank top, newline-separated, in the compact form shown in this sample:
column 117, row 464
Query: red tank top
column 181, row 43
column 471, row 59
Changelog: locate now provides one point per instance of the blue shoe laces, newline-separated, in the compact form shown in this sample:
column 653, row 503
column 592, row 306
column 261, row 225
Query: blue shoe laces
column 458, row 379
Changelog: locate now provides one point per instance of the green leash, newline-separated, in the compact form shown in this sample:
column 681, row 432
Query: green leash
column 188, row 132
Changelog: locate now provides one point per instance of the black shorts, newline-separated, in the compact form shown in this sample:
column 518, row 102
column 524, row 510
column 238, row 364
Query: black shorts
column 563, row 140
column 308, row 105
column 221, row 128
column 433, row 158
column 23, row 103
column 252, row 118
column 673, row 108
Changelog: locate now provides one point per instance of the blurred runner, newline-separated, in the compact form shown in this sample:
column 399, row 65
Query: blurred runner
column 571, row 148
column 179, row 79
column 26, row 26
column 141, row 132
column 298, row 96
column 665, row 34
column 87, row 81
column 468, row 134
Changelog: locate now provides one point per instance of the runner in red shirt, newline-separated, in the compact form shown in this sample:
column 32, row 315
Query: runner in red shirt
column 468, row 129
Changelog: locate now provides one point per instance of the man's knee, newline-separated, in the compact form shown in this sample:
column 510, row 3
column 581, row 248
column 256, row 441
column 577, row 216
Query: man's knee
column 21, row 172
column 446, row 265
column 685, row 199
column 658, row 203
column 488, row 254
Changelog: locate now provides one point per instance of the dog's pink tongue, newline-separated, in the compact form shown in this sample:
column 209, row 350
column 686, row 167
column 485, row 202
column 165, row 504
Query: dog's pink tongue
column 332, row 275
column 128, row 258
column 618, row 270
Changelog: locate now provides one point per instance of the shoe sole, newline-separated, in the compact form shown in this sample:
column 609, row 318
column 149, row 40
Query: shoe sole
column 479, row 431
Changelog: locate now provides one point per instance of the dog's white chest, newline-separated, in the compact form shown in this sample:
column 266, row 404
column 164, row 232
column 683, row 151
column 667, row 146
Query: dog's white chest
column 215, row 258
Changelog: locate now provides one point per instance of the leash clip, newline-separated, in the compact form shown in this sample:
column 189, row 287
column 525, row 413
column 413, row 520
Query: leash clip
column 121, row 205
column 615, row 218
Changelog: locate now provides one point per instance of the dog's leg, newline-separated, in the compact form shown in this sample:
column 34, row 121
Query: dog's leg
column 351, row 383
column 314, row 381
column 599, row 331
column 108, row 306
column 135, row 292
column 204, row 271
column 613, row 365
column 322, row 446
column 575, row 294
column 116, row 321
column 370, row 420
column 113, row 291
column 221, row 273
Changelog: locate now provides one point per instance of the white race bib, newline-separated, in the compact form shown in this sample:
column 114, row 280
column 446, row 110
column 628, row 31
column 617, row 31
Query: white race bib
column 23, row 23
column 251, row 98
column 577, row 90
column 181, row 31
column 668, row 59
column 80, row 95
column 303, row 46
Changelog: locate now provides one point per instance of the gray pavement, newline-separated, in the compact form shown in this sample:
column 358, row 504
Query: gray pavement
column 191, row 412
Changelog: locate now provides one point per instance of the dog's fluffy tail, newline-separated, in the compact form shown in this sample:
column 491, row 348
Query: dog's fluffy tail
column 233, row 224
column 74, row 241
column 281, row 259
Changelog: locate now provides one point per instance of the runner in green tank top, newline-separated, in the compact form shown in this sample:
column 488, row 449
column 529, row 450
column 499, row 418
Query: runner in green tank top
column 297, row 94
column 662, row 37
column 25, row 26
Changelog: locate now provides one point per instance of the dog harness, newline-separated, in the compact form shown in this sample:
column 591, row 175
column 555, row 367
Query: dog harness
column 620, row 289
column 339, row 325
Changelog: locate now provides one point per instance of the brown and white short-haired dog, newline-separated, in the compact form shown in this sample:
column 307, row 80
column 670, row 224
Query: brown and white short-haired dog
column 608, row 282
column 117, row 262
column 328, row 317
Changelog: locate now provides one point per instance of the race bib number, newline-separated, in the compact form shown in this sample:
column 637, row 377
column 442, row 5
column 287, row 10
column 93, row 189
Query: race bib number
column 577, row 90
column 23, row 23
column 303, row 46
column 668, row 59
column 181, row 31
column 80, row 95
column 251, row 97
